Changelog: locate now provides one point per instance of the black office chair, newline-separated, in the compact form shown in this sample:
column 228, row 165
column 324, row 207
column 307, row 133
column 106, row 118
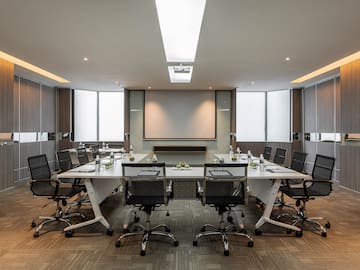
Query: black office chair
column 297, row 164
column 146, row 188
column 94, row 150
column 42, row 185
column 319, row 186
column 82, row 156
column 224, row 187
column 280, row 156
column 64, row 161
column 267, row 152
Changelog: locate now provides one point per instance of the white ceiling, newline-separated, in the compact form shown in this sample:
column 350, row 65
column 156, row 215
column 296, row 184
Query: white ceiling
column 240, row 41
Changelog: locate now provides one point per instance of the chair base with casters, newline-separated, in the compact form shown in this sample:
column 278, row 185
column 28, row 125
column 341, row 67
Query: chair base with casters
column 147, row 232
column 59, row 216
column 223, row 231
column 300, row 219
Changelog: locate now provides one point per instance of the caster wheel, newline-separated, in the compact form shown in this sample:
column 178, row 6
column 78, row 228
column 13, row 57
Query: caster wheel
column 226, row 252
column 298, row 233
column 142, row 253
column 69, row 234
column 202, row 229
column 327, row 225
column 176, row 243
column 33, row 224
column 242, row 215
column 109, row 232
column 288, row 231
column 258, row 232
column 117, row 243
column 195, row 243
column 36, row 234
column 83, row 218
column 126, row 231
column 250, row 243
column 230, row 219
column 136, row 219
column 167, row 230
column 167, row 214
column 323, row 234
column 135, row 229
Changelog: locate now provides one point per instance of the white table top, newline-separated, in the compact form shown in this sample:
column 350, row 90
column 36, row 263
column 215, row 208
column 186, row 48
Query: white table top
column 88, row 170
column 272, row 171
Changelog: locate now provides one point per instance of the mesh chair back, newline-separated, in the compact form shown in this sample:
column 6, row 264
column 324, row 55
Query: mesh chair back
column 225, row 184
column 298, row 161
column 322, row 170
column 95, row 150
column 280, row 155
column 82, row 156
column 145, row 183
column 267, row 152
column 39, row 167
column 64, row 160
column 41, row 174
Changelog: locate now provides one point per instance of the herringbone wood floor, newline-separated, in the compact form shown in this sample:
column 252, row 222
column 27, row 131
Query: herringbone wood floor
column 91, row 248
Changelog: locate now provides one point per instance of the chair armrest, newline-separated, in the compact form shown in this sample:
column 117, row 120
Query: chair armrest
column 199, row 188
column 168, row 188
column 55, row 182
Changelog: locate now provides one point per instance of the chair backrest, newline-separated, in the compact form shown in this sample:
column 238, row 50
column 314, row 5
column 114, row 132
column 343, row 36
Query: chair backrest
column 41, row 185
column 82, row 156
column 267, row 152
column 225, row 184
column 323, row 167
column 64, row 160
column 39, row 167
column 322, row 170
column 145, row 183
column 298, row 161
column 280, row 155
column 95, row 150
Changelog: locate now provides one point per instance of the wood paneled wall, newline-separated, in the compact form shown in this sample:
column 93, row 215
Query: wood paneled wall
column 6, row 96
column 321, row 114
column 64, row 108
column 6, row 123
column 34, row 111
column 350, row 97
column 350, row 123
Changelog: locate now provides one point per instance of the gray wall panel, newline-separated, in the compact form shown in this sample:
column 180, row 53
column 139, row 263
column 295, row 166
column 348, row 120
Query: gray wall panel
column 309, row 109
column 325, row 106
column 29, row 106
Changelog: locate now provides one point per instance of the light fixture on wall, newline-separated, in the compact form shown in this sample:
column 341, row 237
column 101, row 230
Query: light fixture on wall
column 31, row 67
column 328, row 68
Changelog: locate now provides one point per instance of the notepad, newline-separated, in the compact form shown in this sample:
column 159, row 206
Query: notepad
column 84, row 169
column 220, row 173
column 148, row 173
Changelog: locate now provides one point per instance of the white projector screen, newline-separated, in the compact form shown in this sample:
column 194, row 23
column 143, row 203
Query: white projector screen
column 172, row 115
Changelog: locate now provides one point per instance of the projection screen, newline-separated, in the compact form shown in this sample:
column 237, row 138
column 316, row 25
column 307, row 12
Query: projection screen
column 173, row 115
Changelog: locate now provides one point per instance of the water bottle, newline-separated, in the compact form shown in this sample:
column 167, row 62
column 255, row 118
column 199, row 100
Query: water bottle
column 154, row 158
column 262, row 165
column 112, row 158
column 97, row 163
column 103, row 145
column 131, row 150
column 230, row 151
column 249, row 156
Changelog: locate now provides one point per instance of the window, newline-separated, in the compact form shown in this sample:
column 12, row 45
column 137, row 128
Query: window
column 111, row 116
column 250, row 116
column 278, row 116
column 98, row 116
column 85, row 115
column 263, row 116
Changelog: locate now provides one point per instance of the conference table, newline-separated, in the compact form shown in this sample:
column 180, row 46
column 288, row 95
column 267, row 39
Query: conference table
column 99, row 185
column 264, row 184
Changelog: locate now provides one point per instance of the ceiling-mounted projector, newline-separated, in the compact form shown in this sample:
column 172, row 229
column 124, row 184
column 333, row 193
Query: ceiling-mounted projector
column 182, row 69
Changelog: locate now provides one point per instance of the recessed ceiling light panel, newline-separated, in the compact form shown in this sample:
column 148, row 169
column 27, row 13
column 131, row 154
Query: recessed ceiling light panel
column 180, row 24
